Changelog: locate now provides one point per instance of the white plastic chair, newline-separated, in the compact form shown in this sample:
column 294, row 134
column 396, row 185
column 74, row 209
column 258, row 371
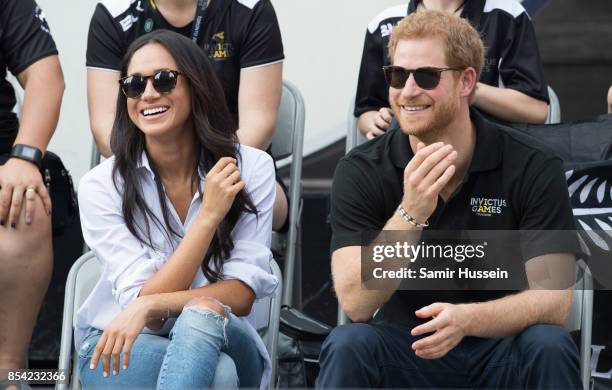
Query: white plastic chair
column 84, row 275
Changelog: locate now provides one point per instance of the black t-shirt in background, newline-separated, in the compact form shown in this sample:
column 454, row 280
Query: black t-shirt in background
column 512, row 58
column 24, row 39
column 236, row 34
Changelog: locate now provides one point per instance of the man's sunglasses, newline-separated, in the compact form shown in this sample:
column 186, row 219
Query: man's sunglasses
column 163, row 81
column 426, row 78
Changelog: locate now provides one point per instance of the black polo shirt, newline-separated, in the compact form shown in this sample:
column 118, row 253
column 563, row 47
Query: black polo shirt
column 523, row 179
column 512, row 58
column 24, row 39
column 236, row 34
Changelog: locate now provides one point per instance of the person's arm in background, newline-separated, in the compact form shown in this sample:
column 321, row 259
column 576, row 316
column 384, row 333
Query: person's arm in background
column 372, row 97
column 509, row 104
column 31, row 55
column 258, row 101
column 610, row 101
column 523, row 96
column 106, row 45
column 102, row 90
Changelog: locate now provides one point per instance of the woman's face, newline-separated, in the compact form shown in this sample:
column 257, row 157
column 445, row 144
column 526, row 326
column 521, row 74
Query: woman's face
column 159, row 114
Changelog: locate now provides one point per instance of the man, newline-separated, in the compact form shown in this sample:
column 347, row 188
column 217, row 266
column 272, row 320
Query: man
column 26, row 257
column 425, row 173
column 511, row 86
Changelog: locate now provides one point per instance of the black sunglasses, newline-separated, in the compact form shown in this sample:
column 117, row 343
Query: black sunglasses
column 134, row 86
column 426, row 78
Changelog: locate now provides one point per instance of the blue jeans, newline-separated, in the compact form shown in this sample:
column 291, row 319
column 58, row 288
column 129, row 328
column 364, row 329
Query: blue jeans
column 204, row 350
column 380, row 355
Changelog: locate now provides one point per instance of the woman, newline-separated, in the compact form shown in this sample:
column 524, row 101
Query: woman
column 180, row 219
column 241, row 38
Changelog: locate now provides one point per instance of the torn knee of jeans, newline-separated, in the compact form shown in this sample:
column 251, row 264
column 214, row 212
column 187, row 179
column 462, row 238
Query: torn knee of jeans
column 206, row 305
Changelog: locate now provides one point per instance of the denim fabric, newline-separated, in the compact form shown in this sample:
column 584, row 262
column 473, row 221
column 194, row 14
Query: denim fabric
column 199, row 340
column 380, row 355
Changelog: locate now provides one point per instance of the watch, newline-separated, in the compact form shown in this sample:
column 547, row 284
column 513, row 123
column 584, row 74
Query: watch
column 27, row 153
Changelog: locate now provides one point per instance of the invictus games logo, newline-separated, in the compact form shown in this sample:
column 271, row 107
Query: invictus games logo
column 486, row 207
column 489, row 64
column 218, row 49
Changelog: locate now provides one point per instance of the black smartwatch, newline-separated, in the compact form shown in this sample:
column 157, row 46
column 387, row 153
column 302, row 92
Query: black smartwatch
column 27, row 153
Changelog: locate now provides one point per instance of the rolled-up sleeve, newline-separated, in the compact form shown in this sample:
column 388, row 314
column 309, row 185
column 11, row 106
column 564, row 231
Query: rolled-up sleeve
column 126, row 263
column 249, row 261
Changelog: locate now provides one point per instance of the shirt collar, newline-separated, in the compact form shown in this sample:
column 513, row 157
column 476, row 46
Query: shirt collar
column 488, row 150
column 472, row 10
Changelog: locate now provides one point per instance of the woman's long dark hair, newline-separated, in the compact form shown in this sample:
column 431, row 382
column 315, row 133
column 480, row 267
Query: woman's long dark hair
column 215, row 136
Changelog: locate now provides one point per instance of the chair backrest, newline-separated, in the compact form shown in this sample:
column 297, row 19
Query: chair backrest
column 554, row 108
column 287, row 143
column 85, row 273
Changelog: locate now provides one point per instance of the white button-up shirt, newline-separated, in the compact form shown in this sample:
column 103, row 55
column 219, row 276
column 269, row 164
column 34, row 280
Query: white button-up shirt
column 127, row 264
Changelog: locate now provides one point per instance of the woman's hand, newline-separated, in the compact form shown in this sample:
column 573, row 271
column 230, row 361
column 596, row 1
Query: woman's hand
column 121, row 334
column 223, row 182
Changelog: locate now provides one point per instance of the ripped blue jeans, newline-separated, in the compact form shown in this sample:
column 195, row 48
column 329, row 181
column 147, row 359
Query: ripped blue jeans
column 204, row 349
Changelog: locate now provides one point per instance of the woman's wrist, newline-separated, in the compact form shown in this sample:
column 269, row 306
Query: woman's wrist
column 209, row 218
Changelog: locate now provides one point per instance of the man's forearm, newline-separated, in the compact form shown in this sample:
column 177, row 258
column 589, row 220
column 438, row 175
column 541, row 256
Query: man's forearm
column 512, row 314
column 44, row 88
column 510, row 105
column 359, row 303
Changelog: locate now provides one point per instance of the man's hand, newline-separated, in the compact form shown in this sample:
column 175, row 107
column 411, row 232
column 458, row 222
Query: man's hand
column 427, row 173
column 375, row 123
column 448, row 328
column 16, row 178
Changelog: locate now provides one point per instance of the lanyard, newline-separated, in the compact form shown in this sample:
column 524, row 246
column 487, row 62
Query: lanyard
column 199, row 17
column 197, row 23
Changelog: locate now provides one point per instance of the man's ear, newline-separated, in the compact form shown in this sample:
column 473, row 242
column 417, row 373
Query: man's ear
column 468, row 81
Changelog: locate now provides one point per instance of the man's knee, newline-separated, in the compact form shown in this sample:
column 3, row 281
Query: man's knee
column 542, row 339
column 351, row 339
column 206, row 304
column 25, row 240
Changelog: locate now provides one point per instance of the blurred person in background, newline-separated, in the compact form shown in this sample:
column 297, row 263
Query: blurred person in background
column 26, row 256
column 511, row 87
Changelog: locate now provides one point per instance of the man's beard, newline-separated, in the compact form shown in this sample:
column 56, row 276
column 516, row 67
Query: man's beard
column 443, row 113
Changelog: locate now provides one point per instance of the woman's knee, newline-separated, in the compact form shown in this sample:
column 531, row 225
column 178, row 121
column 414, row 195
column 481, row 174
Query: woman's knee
column 206, row 304
column 226, row 374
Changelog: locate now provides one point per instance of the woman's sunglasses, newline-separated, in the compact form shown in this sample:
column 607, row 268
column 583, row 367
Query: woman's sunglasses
column 163, row 81
column 426, row 78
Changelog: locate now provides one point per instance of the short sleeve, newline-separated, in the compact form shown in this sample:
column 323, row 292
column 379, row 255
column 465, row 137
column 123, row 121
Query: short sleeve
column 262, row 43
column 105, row 41
column 521, row 66
column 126, row 263
column 249, row 261
column 26, row 37
column 372, row 89
column 351, row 213
column 546, row 210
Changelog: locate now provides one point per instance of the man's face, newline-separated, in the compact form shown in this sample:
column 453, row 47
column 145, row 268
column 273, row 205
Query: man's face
column 424, row 113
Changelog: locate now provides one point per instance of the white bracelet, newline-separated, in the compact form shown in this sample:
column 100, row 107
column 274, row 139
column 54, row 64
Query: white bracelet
column 410, row 219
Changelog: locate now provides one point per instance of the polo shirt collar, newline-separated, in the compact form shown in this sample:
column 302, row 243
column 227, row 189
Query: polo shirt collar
column 487, row 151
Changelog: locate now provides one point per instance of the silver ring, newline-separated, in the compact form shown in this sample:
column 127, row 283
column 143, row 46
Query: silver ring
column 31, row 189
